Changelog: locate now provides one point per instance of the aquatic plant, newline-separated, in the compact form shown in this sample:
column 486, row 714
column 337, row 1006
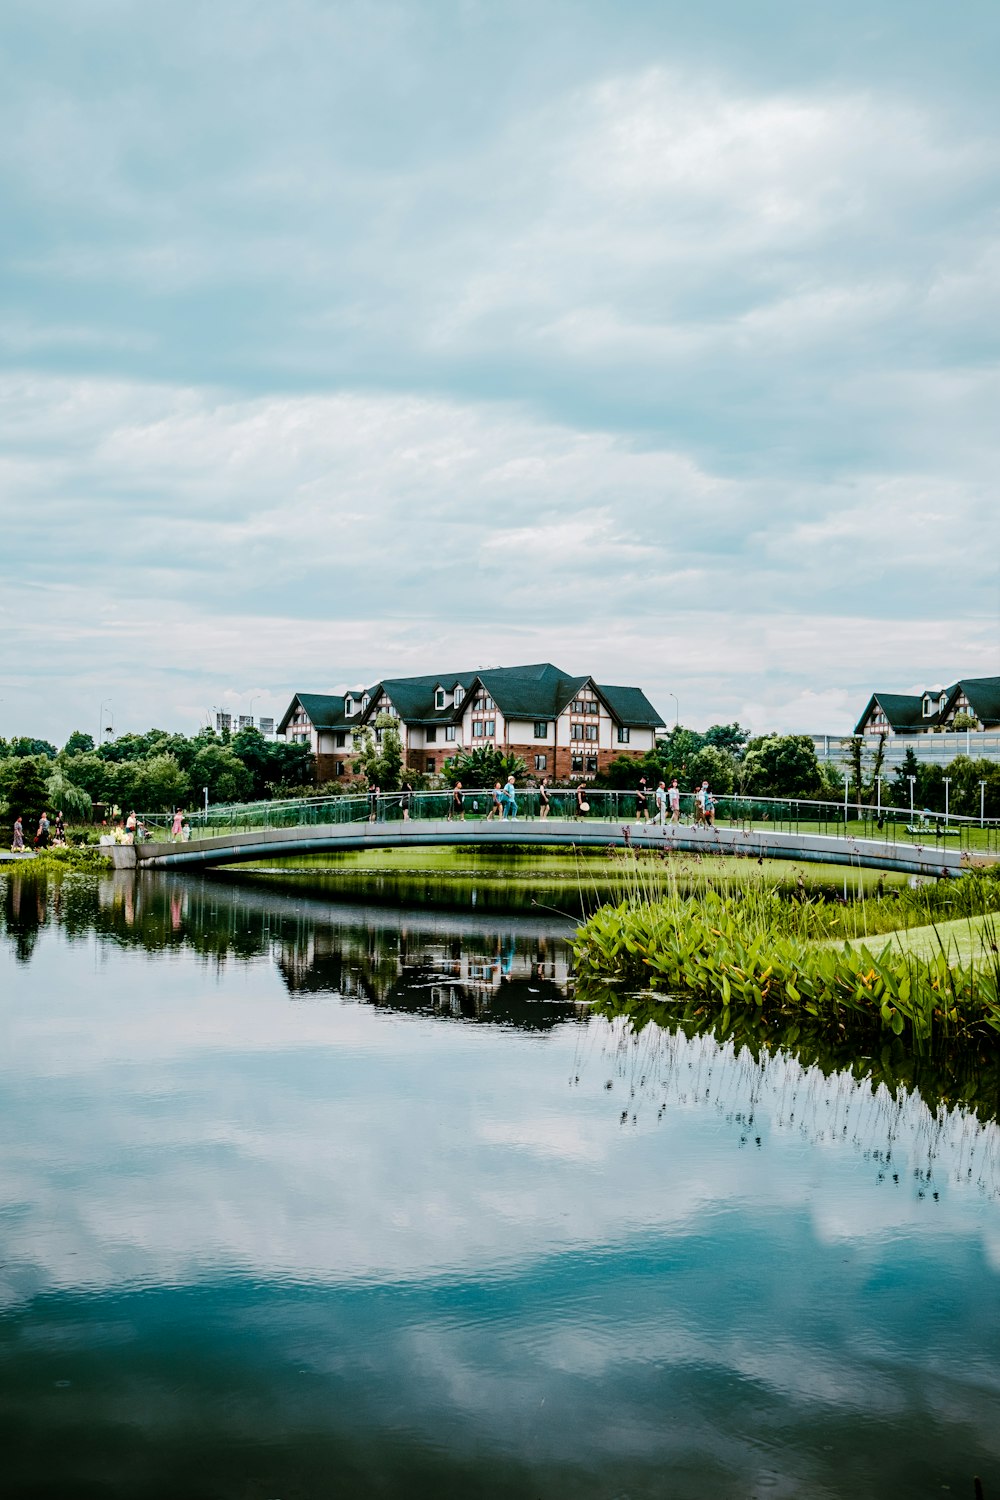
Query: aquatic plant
column 751, row 952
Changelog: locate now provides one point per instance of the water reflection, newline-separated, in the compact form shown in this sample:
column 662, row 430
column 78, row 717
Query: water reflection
column 280, row 1214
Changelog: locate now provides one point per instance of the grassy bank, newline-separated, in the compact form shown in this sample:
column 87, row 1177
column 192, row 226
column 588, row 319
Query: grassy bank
column 788, row 961
column 574, row 882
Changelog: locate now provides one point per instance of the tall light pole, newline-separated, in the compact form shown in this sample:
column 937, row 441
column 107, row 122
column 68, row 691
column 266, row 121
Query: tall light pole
column 847, row 788
column 878, row 783
column 677, row 711
column 982, row 804
column 947, row 784
column 911, row 779
column 253, row 700
column 105, row 703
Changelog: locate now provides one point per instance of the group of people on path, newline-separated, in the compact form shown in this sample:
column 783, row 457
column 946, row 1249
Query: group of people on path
column 668, row 803
column 46, row 834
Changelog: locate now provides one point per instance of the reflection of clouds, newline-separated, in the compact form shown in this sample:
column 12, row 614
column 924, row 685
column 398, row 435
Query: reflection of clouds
column 171, row 1121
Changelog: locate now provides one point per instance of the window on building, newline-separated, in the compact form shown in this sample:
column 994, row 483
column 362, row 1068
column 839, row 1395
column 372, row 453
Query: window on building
column 339, row 740
column 459, row 693
column 477, row 729
column 591, row 765
column 623, row 735
column 576, row 763
column 583, row 706
column 432, row 735
column 365, row 702
column 449, row 731
column 540, row 762
column 439, row 698
column 348, row 705
column 541, row 729
column 483, row 703
column 339, row 768
column 431, row 762
column 491, row 728
column 576, row 731
column 590, row 731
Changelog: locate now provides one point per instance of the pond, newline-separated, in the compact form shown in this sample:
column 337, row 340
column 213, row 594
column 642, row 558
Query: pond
column 300, row 1198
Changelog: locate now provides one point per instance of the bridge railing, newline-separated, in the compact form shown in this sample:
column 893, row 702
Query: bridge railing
column 782, row 814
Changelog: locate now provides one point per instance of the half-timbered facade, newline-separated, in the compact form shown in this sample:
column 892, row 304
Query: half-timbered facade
column 560, row 725
column 934, row 709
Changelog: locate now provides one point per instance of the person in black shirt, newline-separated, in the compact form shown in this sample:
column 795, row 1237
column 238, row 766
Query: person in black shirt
column 641, row 802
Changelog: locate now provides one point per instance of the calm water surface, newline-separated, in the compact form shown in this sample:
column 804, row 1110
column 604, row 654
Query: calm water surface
column 299, row 1199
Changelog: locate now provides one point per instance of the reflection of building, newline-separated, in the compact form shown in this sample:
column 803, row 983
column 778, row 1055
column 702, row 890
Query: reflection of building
column 559, row 725
column 509, row 977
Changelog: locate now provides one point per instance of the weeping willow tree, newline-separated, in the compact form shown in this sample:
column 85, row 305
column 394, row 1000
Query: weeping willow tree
column 64, row 797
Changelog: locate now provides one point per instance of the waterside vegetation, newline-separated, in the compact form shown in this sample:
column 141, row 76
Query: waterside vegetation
column 797, row 962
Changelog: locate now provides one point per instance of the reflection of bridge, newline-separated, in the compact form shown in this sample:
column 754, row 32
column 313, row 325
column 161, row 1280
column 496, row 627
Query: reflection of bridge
column 259, row 844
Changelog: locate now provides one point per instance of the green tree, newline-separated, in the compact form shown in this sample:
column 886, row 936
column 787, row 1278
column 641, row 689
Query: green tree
column 729, row 737
column 24, row 745
column 26, row 792
column 781, row 765
column 86, row 771
column 65, row 796
column 78, row 743
column 716, row 766
column 380, row 756
column 162, row 784
column 225, row 775
column 483, row 766
column 272, row 764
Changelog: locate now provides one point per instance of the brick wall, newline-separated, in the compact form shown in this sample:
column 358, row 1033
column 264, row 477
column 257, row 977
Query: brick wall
column 559, row 758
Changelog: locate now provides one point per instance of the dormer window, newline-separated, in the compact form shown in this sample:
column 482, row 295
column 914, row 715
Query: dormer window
column 928, row 708
column 459, row 693
column 348, row 705
column 439, row 697
column 364, row 703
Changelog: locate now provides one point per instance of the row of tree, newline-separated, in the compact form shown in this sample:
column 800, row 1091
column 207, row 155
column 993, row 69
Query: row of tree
column 786, row 765
column 157, row 771
column 154, row 772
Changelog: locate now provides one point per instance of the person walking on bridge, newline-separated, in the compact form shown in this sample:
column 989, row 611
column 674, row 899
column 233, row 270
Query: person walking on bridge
column 17, row 847
column 457, row 808
column 661, row 804
column 674, row 798
column 177, row 825
column 496, row 803
column 510, row 799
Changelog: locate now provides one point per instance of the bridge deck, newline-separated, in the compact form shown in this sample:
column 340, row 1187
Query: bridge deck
column 284, row 843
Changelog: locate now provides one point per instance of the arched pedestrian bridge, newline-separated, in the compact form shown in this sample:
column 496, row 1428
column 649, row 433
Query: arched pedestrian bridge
column 932, row 858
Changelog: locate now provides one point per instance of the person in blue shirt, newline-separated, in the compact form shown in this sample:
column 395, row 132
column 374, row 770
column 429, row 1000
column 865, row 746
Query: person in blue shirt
column 509, row 799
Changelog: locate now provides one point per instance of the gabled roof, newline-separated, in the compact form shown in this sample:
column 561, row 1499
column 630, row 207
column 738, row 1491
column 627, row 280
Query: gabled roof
column 324, row 711
column 983, row 694
column 903, row 710
column 630, row 706
column 413, row 697
column 537, row 691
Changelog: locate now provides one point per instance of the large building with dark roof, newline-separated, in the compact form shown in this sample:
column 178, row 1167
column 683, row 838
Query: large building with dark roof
column 933, row 709
column 560, row 725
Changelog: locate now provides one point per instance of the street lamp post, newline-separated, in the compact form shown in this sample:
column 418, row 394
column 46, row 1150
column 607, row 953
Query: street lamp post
column 947, row 784
column 253, row 700
column 205, row 790
column 911, row 780
column 982, row 804
column 847, row 788
column 878, row 783
column 677, row 710
column 105, row 703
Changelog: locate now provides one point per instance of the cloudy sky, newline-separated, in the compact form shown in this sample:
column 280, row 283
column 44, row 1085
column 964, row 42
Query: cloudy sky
column 341, row 340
